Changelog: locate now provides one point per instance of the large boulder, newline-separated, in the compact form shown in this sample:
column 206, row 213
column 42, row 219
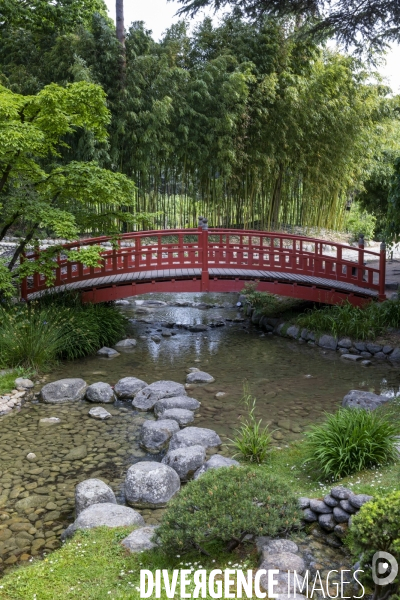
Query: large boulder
column 150, row 484
column 100, row 392
column 140, row 539
column 155, row 435
column 106, row 514
column 195, row 436
column 183, row 402
column 92, row 491
column 185, row 461
column 366, row 400
column 217, row 461
column 148, row 396
column 63, row 390
column 180, row 415
column 128, row 387
column 199, row 377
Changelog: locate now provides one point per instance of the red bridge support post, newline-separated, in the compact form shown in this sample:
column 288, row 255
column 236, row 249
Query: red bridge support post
column 382, row 272
column 203, row 236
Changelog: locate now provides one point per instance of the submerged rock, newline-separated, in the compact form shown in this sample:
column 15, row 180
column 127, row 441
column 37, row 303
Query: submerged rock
column 199, row 377
column 99, row 413
column 63, row 390
column 107, row 352
column 128, row 343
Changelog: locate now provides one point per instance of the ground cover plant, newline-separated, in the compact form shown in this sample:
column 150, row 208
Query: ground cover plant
column 349, row 441
column 38, row 334
column 270, row 305
column 225, row 505
column 8, row 377
column 364, row 323
column 376, row 528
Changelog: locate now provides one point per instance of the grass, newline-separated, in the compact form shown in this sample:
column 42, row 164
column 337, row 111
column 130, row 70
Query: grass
column 38, row 334
column 347, row 320
column 7, row 379
column 270, row 305
column 94, row 566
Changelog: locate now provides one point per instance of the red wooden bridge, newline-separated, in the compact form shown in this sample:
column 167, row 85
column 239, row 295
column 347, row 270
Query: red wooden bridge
column 218, row 260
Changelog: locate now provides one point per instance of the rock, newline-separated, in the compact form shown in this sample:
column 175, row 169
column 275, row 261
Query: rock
column 199, row 377
column 197, row 328
column 319, row 506
column 347, row 506
column 380, row 356
column 309, row 516
column 341, row 493
column 330, row 501
column 106, row 514
column 49, row 421
column 185, row 461
column 361, row 346
column 217, row 461
column 293, row 332
column 140, row 539
column 122, row 302
column 278, row 546
column 284, row 561
column 341, row 530
column 34, row 501
column 183, row 402
column 155, row 435
column 327, row 341
column 151, row 484
column 156, row 338
column 387, row 349
column 149, row 395
column 31, row 457
column 92, row 491
column 327, row 522
column 345, row 343
column 128, row 343
column 195, row 436
column 220, row 395
column 303, row 502
column 63, row 390
column 365, row 354
column 21, row 382
column 128, row 387
column 358, row 500
column 282, row 582
column 341, row 516
column 180, row 415
column 366, row 363
column 76, row 453
column 100, row 392
column 107, row 352
column 374, row 348
column 99, row 413
column 366, row 400
column 395, row 355
column 166, row 333
column 353, row 357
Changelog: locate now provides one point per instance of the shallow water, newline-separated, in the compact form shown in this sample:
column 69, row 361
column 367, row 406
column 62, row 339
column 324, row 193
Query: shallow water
column 294, row 384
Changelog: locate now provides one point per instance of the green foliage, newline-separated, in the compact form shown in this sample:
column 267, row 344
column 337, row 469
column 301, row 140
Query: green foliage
column 7, row 379
column 355, row 322
column 227, row 504
column 358, row 221
column 7, row 289
column 349, row 441
column 252, row 441
column 37, row 335
column 376, row 528
column 269, row 305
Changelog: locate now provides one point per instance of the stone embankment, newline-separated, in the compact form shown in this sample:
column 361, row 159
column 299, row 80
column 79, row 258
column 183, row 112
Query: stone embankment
column 16, row 397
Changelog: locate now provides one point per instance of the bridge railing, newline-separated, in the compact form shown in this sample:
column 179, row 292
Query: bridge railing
column 202, row 249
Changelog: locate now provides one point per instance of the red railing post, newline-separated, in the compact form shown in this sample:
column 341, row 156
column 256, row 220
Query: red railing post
column 203, row 236
column 382, row 272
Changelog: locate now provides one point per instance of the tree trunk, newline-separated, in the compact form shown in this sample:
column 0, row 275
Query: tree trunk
column 21, row 246
column 119, row 10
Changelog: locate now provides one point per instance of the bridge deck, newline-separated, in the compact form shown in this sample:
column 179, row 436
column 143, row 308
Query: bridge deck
column 214, row 273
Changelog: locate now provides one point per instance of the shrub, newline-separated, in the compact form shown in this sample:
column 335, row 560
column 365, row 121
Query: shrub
column 376, row 528
column 349, row 441
column 225, row 505
column 359, row 221
column 252, row 441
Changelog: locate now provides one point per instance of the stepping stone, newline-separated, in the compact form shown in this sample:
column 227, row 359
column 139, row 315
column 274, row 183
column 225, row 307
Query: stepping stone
column 185, row 461
column 151, row 484
column 100, row 392
column 63, row 390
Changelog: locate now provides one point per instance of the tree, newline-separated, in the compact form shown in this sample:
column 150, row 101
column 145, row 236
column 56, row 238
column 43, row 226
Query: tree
column 40, row 191
column 120, row 29
column 353, row 22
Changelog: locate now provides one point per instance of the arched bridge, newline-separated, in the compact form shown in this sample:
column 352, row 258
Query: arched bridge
column 219, row 260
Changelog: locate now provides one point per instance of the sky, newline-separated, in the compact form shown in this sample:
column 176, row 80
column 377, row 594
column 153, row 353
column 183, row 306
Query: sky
column 158, row 15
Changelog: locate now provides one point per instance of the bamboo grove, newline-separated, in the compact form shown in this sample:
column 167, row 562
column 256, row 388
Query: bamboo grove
column 239, row 122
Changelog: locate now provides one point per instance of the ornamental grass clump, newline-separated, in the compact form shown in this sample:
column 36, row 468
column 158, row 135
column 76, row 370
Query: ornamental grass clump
column 225, row 505
column 252, row 441
column 376, row 529
column 349, row 441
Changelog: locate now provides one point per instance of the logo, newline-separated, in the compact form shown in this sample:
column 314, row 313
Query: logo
column 384, row 568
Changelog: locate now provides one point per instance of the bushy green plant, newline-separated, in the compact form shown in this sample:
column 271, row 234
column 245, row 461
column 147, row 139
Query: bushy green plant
column 252, row 441
column 38, row 334
column 226, row 505
column 349, row 441
column 376, row 528
column 361, row 323
column 267, row 304
column 357, row 220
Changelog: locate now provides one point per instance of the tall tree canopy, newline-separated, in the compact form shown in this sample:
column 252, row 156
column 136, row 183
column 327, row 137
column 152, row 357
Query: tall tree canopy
column 353, row 22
